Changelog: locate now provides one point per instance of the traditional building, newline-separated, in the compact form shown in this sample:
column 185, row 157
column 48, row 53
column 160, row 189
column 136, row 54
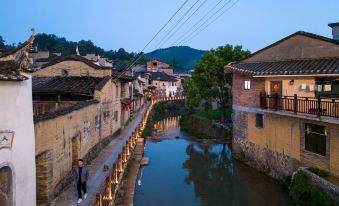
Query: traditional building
column 17, row 143
column 286, row 105
column 162, row 84
column 158, row 66
column 77, row 107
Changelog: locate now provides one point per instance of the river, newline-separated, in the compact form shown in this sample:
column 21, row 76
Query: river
column 185, row 172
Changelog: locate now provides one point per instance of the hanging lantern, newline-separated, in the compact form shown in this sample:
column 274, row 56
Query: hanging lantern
column 276, row 88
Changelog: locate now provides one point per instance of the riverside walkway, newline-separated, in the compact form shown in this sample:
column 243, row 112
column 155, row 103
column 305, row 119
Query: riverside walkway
column 96, row 174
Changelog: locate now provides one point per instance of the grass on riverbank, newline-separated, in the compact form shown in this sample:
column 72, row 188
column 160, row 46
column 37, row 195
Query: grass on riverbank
column 305, row 194
column 214, row 114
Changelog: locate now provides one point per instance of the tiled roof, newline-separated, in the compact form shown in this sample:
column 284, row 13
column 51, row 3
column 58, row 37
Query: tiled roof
column 121, row 76
column 162, row 76
column 79, row 85
column 291, row 67
column 74, row 58
column 7, row 75
column 64, row 110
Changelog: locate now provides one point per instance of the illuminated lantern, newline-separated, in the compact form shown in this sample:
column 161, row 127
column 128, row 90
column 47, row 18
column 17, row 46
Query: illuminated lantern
column 276, row 88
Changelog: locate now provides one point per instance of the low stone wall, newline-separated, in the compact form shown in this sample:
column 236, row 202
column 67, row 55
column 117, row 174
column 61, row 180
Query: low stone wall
column 274, row 164
column 205, row 128
column 331, row 189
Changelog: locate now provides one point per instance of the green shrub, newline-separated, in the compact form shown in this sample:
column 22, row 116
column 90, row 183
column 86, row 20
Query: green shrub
column 215, row 114
column 319, row 172
column 305, row 194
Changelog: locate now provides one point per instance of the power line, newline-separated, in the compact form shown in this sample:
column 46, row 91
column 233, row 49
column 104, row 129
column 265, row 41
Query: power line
column 190, row 29
column 201, row 25
column 188, row 18
column 142, row 54
column 168, row 32
column 212, row 22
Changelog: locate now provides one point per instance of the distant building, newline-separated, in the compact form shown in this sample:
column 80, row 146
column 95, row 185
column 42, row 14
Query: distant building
column 17, row 141
column 98, row 60
column 286, row 107
column 162, row 84
column 158, row 66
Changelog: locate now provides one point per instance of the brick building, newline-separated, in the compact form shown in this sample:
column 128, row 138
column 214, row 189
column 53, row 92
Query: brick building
column 158, row 66
column 286, row 106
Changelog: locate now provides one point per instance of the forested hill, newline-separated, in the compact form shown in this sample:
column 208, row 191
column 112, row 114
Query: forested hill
column 53, row 43
column 183, row 58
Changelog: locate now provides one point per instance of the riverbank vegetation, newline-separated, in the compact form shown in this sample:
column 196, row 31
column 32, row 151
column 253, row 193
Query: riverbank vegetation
column 305, row 194
column 209, row 84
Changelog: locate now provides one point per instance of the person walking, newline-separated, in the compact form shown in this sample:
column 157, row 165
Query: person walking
column 81, row 177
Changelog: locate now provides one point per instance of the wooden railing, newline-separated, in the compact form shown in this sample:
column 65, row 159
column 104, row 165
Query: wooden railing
column 107, row 196
column 307, row 105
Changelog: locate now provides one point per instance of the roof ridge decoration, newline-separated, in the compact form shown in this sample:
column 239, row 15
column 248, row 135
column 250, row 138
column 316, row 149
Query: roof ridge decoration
column 16, row 60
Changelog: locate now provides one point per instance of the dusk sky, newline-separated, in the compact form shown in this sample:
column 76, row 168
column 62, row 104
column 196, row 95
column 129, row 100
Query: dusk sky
column 130, row 24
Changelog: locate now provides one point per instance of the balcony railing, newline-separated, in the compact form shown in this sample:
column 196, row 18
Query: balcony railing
column 307, row 105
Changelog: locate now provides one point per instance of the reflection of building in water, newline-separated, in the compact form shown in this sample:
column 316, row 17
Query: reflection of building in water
column 170, row 122
column 168, row 127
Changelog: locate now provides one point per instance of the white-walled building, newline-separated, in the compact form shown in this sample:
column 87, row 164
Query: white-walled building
column 17, row 141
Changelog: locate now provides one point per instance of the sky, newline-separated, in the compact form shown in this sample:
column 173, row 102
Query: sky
column 131, row 24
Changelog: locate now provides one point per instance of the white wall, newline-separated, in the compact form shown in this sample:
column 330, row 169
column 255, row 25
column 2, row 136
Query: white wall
column 170, row 88
column 16, row 114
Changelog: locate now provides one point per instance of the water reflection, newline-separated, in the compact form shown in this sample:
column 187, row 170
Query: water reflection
column 219, row 180
column 167, row 128
column 184, row 173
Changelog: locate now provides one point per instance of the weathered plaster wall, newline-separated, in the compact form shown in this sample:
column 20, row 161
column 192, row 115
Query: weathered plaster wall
column 62, row 140
column 74, row 68
column 281, row 135
column 297, row 47
column 278, row 149
column 17, row 115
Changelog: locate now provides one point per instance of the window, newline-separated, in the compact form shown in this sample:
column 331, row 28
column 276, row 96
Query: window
column 315, row 138
column 155, row 64
column 116, row 116
column 163, row 84
column 247, row 84
column 116, row 90
column 259, row 120
column 64, row 72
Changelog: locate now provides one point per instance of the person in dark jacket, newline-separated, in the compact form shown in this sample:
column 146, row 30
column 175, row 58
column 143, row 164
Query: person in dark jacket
column 81, row 177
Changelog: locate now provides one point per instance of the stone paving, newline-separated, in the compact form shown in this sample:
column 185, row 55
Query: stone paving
column 96, row 174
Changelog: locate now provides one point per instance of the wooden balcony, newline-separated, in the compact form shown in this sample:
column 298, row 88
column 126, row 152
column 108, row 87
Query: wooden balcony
column 307, row 105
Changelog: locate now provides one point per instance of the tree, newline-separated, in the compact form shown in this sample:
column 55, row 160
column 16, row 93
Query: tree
column 209, row 80
column 2, row 42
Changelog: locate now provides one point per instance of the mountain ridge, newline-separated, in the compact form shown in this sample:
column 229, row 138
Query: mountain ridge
column 182, row 58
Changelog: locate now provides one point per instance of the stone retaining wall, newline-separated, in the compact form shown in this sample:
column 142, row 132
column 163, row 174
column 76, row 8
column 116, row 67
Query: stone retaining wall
column 274, row 164
column 331, row 189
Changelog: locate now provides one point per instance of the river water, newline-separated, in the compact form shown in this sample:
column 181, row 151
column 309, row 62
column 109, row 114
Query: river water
column 185, row 172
